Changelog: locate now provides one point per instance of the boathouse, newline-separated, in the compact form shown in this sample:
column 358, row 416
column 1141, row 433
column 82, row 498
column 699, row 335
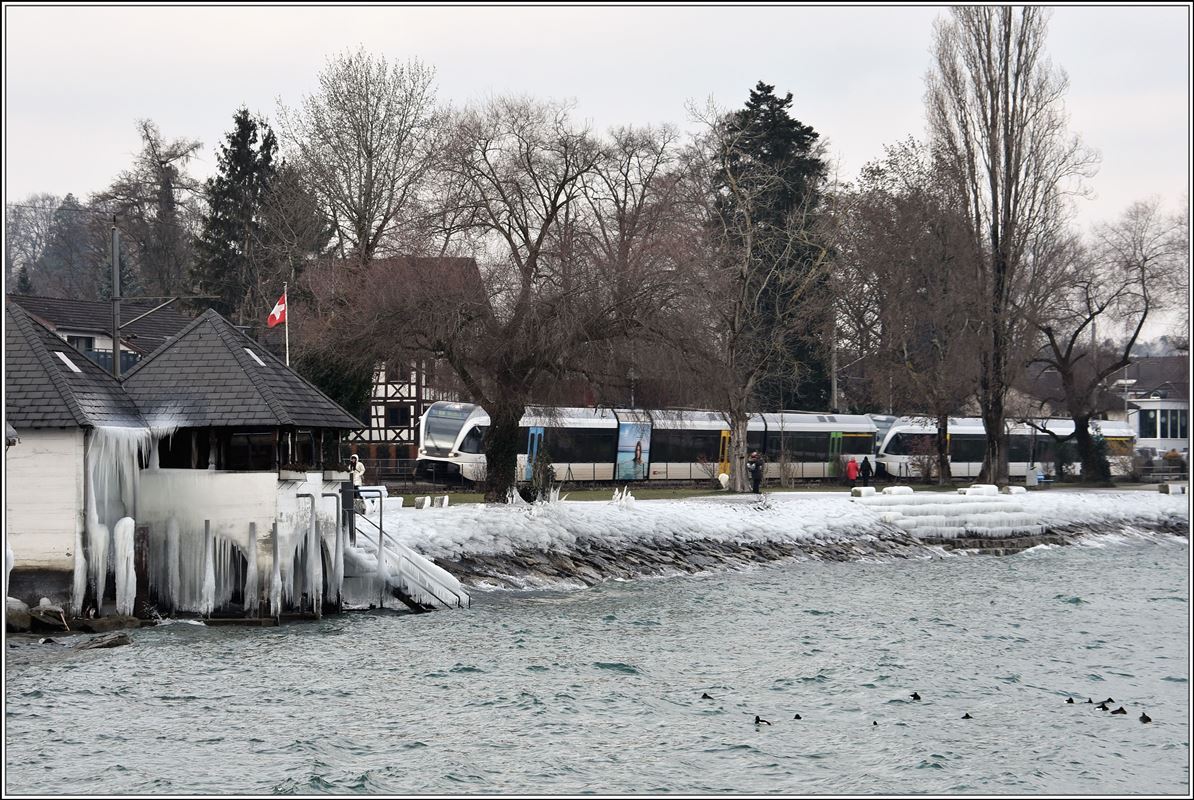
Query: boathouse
column 224, row 459
column 56, row 400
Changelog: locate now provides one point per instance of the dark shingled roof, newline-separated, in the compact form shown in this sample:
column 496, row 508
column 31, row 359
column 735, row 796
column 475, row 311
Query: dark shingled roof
column 90, row 316
column 205, row 376
column 41, row 391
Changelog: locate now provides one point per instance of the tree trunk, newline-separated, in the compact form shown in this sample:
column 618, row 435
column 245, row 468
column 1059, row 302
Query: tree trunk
column 501, row 452
column 738, row 478
column 995, row 460
column 944, row 475
column 1095, row 468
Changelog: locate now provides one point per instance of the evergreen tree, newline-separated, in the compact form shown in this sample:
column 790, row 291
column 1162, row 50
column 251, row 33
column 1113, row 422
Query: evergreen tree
column 130, row 284
column 226, row 248
column 781, row 155
column 69, row 265
column 24, row 284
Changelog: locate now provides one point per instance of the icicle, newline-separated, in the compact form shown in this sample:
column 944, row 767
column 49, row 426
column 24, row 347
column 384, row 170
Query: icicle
column 251, row 600
column 98, row 540
column 383, row 573
column 126, row 574
column 338, row 564
column 173, row 579
column 207, row 599
column 79, row 587
column 314, row 563
column 8, row 559
column 275, row 586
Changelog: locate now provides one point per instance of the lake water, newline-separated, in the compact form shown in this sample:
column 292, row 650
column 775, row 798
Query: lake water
column 598, row 690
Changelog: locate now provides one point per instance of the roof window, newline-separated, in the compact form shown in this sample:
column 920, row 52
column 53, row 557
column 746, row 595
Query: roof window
column 255, row 356
column 67, row 361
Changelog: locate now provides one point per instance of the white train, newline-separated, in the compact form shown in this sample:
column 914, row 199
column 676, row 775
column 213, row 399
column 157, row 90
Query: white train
column 609, row 444
column 907, row 443
column 605, row 444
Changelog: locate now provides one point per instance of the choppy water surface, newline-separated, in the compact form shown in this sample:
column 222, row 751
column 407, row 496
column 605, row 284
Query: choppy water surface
column 598, row 690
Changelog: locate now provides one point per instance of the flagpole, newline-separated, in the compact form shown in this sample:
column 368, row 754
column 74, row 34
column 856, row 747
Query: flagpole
column 286, row 300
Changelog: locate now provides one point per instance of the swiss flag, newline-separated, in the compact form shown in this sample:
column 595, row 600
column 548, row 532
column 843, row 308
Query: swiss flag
column 278, row 315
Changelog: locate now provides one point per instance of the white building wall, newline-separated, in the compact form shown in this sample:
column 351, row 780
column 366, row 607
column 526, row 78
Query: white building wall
column 43, row 497
column 233, row 500
column 1162, row 445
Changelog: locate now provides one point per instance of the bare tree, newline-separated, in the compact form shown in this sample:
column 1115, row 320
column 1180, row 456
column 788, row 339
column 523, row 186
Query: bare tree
column 27, row 227
column 1119, row 282
column 906, row 239
column 757, row 274
column 156, row 205
column 996, row 116
column 550, row 281
column 364, row 140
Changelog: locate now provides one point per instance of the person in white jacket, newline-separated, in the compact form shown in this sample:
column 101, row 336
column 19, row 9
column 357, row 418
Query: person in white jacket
column 356, row 471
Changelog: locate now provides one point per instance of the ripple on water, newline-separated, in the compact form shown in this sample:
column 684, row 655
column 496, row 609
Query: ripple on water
column 616, row 666
column 1072, row 600
column 609, row 725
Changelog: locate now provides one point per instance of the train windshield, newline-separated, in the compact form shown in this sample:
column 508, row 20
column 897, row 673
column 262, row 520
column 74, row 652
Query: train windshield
column 442, row 426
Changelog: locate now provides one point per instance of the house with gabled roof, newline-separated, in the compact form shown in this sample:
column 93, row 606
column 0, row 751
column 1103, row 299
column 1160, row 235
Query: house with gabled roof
column 55, row 400
column 227, row 461
column 87, row 325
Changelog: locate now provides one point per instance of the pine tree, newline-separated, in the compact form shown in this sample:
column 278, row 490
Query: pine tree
column 69, row 265
column 226, row 257
column 24, row 284
column 770, row 143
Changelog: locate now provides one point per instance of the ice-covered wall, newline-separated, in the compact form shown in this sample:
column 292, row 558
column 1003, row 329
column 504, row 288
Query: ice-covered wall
column 43, row 498
column 174, row 505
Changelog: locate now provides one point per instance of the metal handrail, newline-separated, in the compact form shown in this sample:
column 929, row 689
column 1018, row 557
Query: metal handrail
column 429, row 584
column 461, row 601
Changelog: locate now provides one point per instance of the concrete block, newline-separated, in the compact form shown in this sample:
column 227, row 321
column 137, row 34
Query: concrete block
column 857, row 491
column 1173, row 488
column 898, row 490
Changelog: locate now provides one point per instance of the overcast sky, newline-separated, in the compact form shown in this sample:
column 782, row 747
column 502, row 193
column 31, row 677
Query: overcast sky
column 78, row 79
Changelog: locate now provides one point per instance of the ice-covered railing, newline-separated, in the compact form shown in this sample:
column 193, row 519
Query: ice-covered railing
column 397, row 565
column 979, row 514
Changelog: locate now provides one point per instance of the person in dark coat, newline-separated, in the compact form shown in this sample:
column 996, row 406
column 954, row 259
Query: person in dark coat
column 865, row 471
column 754, row 468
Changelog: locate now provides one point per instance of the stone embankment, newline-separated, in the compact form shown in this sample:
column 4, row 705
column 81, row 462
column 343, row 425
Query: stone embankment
column 593, row 561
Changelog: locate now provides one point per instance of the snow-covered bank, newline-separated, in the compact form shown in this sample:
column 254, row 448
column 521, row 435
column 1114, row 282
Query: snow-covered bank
column 585, row 542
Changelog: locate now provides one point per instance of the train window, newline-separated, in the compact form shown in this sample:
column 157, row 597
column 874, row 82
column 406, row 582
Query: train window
column 806, row 446
column 1018, row 448
column 581, row 445
column 967, row 447
column 858, row 444
column 907, row 444
column 442, row 427
column 474, row 440
column 684, row 446
column 755, row 441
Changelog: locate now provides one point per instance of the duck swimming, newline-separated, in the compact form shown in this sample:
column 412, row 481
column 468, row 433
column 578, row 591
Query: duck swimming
column 760, row 721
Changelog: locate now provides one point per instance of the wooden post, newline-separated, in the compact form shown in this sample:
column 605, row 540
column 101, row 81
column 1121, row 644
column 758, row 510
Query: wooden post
column 141, row 565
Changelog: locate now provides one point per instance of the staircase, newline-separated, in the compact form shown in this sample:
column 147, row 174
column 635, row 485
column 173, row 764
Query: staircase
column 409, row 576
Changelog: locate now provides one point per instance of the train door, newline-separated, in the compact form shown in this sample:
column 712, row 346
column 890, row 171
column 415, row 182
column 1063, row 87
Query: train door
column 723, row 453
column 832, row 469
column 534, row 442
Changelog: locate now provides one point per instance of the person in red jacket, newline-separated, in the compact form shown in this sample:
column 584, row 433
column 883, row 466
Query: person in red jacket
column 852, row 471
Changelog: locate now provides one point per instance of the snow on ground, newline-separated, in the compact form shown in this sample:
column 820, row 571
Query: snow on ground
column 448, row 533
